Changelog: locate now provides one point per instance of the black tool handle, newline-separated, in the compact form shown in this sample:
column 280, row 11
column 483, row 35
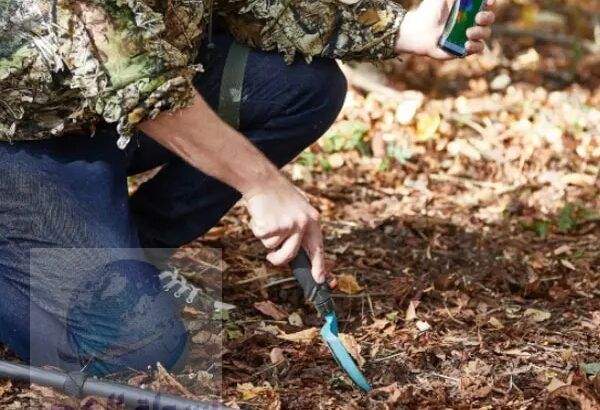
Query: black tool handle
column 314, row 292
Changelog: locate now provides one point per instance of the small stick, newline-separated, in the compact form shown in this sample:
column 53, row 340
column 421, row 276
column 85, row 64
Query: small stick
column 503, row 30
column 371, row 306
column 360, row 295
column 441, row 376
column 254, row 278
column 279, row 282
column 386, row 358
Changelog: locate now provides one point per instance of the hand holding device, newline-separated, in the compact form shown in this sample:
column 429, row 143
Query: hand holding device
column 422, row 28
column 462, row 17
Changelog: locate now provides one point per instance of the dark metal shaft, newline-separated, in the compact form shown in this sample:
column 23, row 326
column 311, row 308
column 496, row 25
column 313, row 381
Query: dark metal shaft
column 130, row 397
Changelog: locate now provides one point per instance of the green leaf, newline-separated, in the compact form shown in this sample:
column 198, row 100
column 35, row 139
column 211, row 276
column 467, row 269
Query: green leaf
column 385, row 164
column 325, row 164
column 308, row 159
column 233, row 334
column 400, row 154
column 541, row 228
column 392, row 315
column 573, row 215
column 566, row 219
column 222, row 315
column 345, row 135
column 591, row 369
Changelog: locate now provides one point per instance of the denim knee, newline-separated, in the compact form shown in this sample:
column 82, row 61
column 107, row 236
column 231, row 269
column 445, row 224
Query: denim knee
column 326, row 92
column 123, row 319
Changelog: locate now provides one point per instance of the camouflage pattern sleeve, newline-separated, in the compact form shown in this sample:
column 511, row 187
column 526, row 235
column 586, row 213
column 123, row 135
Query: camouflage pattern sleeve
column 342, row 29
column 66, row 64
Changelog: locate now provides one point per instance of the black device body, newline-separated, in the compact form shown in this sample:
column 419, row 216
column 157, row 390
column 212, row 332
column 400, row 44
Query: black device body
column 462, row 17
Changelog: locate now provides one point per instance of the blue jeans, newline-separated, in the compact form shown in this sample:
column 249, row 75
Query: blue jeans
column 105, row 309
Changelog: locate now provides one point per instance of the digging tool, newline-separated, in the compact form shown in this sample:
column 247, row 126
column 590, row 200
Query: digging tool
column 78, row 385
column 320, row 296
column 229, row 110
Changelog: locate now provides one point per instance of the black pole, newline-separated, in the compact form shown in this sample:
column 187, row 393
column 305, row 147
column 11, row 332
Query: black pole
column 78, row 385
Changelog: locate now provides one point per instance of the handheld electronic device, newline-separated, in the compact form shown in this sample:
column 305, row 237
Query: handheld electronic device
column 462, row 17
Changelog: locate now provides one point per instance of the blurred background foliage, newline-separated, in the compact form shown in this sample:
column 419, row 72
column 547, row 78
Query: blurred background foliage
column 513, row 132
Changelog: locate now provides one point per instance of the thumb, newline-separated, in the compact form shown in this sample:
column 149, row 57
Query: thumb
column 313, row 244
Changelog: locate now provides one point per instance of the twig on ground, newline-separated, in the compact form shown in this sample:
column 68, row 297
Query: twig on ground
column 500, row 188
column 371, row 306
column 565, row 40
column 255, row 278
column 452, row 317
column 360, row 295
column 386, row 358
column 279, row 282
column 441, row 376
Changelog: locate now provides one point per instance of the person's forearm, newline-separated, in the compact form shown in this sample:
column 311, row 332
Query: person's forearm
column 201, row 138
column 281, row 216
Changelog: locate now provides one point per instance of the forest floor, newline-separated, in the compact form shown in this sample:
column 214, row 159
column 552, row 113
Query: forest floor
column 461, row 211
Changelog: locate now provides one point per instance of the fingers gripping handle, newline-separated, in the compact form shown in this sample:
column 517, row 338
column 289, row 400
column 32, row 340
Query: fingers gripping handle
column 314, row 292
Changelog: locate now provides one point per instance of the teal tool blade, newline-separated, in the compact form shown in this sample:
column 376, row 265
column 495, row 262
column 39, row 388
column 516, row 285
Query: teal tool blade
column 319, row 295
column 329, row 333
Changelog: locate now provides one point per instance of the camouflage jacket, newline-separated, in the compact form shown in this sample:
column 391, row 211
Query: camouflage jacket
column 68, row 64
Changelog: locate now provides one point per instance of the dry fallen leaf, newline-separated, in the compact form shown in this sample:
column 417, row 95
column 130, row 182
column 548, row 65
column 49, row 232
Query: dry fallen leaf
column 423, row 326
column 352, row 347
column 408, row 106
column 482, row 392
column 579, row 179
column 276, row 355
column 295, row 320
column 92, row 403
column 348, row 284
column 581, row 396
column 249, row 390
column 496, row 323
column 271, row 309
column 536, row 315
column 562, row 250
column 303, row 336
column 596, row 318
column 270, row 329
column 515, row 352
column 411, row 311
column 204, row 378
column 568, row 264
column 166, row 382
column 596, row 385
column 392, row 393
column 336, row 160
column 4, row 387
column 203, row 337
column 265, row 392
column 427, row 126
column 188, row 310
column 554, row 384
column 52, row 397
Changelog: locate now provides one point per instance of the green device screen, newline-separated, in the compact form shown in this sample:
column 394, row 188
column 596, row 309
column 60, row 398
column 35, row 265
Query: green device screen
column 462, row 17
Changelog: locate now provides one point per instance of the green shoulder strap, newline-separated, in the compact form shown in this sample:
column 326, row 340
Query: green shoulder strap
column 232, row 84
